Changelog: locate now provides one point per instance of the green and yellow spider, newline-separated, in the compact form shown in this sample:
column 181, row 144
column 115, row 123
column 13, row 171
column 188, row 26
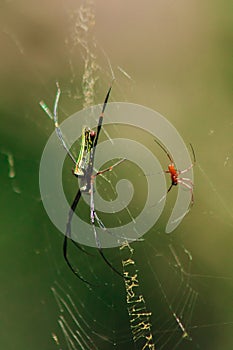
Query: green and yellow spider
column 84, row 170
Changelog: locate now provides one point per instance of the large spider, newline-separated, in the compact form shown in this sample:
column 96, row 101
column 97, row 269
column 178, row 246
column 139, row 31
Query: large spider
column 83, row 169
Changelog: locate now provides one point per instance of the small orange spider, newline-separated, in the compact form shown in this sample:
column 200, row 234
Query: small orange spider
column 175, row 174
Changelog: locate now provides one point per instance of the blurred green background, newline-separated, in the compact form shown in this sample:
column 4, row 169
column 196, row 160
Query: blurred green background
column 179, row 57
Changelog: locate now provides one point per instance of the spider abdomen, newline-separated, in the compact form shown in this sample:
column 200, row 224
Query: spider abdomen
column 174, row 175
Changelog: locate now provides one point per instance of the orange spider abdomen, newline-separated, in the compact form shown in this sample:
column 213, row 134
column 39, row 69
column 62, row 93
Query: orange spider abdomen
column 173, row 172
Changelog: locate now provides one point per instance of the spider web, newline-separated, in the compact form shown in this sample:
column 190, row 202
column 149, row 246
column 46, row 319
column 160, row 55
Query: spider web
column 161, row 306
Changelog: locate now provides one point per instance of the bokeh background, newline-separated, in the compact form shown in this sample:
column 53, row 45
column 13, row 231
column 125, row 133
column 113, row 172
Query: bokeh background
column 178, row 60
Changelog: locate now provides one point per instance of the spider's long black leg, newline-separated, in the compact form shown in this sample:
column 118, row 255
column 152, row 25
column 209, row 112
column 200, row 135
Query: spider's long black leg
column 169, row 189
column 70, row 216
column 191, row 165
column 98, row 244
column 165, row 150
column 70, row 265
column 102, row 115
column 194, row 156
column 68, row 236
